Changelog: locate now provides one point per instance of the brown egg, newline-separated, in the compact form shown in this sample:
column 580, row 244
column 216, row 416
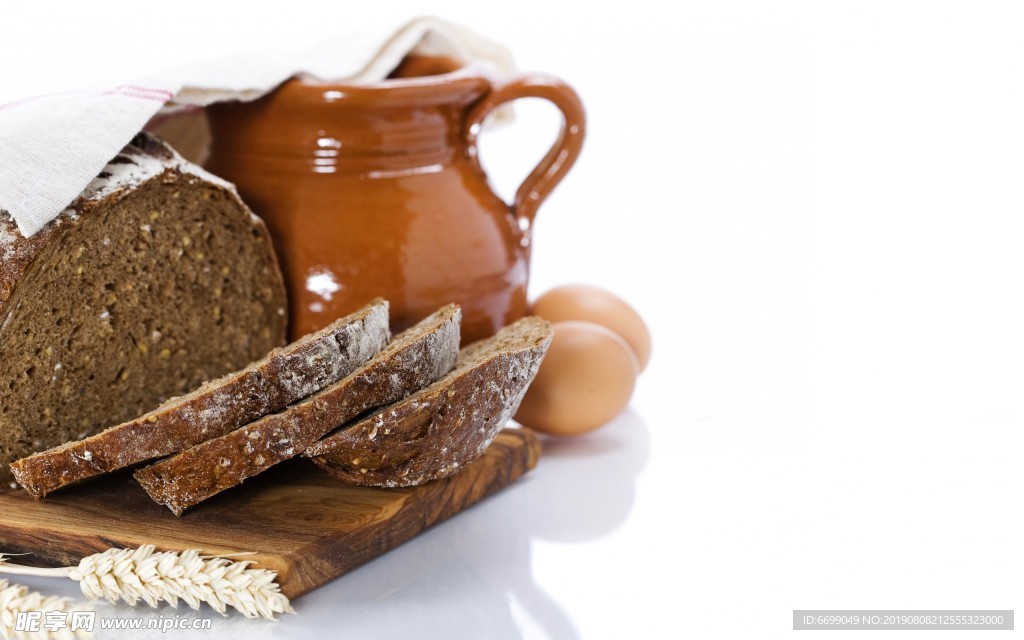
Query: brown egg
column 592, row 304
column 586, row 379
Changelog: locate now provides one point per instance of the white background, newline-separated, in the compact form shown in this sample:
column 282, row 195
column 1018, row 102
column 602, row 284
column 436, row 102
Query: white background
column 818, row 208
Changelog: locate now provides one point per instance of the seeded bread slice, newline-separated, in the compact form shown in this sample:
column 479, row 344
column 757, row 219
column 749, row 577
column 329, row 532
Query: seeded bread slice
column 283, row 377
column 436, row 431
column 414, row 359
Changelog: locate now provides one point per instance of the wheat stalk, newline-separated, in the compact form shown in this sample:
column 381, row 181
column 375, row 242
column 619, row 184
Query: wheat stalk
column 166, row 576
column 15, row 598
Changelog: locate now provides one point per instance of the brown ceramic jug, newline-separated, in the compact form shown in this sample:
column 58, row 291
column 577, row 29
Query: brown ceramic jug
column 377, row 190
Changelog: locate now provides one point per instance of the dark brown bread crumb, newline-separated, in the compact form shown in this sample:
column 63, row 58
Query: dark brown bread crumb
column 281, row 378
column 436, row 431
column 158, row 278
column 414, row 359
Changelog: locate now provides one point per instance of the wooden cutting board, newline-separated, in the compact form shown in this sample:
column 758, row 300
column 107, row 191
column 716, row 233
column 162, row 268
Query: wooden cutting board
column 300, row 522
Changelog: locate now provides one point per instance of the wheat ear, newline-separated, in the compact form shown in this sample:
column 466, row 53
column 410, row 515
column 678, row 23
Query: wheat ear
column 166, row 576
column 16, row 598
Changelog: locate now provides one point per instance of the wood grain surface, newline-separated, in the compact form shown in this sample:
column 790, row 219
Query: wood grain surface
column 299, row 521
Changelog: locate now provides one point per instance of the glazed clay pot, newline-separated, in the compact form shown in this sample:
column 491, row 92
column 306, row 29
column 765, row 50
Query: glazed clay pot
column 377, row 190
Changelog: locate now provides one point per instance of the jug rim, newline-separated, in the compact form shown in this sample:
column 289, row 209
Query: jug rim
column 467, row 82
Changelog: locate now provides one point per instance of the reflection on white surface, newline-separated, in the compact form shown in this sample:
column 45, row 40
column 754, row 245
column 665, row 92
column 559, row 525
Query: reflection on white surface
column 470, row 577
column 584, row 487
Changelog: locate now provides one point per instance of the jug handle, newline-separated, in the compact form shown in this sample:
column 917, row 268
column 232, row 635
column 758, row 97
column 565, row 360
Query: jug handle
column 563, row 153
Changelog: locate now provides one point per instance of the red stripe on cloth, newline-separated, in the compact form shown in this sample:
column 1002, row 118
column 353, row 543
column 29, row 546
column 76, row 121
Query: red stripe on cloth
column 167, row 95
column 128, row 93
column 128, row 90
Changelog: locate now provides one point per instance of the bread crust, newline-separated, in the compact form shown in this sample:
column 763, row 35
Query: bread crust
column 145, row 158
column 415, row 358
column 145, row 165
column 285, row 376
column 435, row 432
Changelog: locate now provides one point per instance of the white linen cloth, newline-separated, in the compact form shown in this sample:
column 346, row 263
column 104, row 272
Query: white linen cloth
column 52, row 146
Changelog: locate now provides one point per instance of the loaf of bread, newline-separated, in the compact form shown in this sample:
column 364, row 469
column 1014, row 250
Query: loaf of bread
column 283, row 377
column 414, row 359
column 436, row 431
column 155, row 280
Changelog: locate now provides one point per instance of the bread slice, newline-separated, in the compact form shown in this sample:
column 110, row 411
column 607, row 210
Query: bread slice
column 415, row 358
column 281, row 378
column 154, row 280
column 436, row 431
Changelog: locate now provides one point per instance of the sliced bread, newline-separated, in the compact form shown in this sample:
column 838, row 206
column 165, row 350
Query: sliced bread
column 281, row 378
column 436, row 431
column 415, row 358
column 156, row 279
